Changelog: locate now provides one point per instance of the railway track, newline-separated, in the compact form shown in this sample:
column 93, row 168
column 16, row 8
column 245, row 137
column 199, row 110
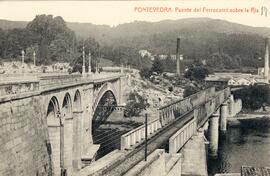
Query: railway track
column 127, row 162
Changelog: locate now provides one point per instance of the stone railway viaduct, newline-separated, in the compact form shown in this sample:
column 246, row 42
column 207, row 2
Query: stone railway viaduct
column 46, row 122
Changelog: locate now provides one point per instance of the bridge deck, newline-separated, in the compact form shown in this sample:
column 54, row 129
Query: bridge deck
column 123, row 165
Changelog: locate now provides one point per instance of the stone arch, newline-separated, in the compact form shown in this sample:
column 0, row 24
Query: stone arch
column 66, row 110
column 77, row 101
column 53, row 122
column 52, row 110
column 101, row 114
column 104, row 89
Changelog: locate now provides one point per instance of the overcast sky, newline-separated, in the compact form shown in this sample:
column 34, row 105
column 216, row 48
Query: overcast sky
column 117, row 12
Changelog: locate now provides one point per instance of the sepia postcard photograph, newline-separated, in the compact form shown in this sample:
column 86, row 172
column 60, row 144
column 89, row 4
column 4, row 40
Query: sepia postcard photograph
column 135, row 88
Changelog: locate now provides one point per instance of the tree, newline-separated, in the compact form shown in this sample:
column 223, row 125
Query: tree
column 157, row 66
column 145, row 73
column 90, row 45
column 196, row 73
column 136, row 104
column 2, row 43
column 15, row 41
column 169, row 64
column 55, row 40
column 254, row 97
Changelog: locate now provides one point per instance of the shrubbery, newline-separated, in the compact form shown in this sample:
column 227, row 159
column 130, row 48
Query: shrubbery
column 136, row 104
column 196, row 73
column 254, row 97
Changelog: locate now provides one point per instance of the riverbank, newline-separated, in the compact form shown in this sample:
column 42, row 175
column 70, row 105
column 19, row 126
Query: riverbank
column 256, row 117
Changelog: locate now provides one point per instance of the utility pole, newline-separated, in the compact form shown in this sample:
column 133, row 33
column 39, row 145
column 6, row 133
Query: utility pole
column 23, row 60
column 83, row 66
column 266, row 60
column 178, row 57
column 145, row 146
column 89, row 65
column 34, row 57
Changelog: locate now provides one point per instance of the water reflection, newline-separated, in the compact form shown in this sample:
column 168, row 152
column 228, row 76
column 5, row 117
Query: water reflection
column 242, row 145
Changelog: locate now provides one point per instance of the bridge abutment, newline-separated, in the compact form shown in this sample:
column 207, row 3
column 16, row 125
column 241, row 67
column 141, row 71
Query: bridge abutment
column 213, row 133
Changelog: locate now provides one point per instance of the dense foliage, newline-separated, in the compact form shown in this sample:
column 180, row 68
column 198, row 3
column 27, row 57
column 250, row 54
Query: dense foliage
column 254, row 97
column 157, row 66
column 136, row 104
column 48, row 36
column 196, row 73
column 145, row 73
column 220, row 44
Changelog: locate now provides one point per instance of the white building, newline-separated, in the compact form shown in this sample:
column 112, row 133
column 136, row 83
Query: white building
column 241, row 81
column 144, row 53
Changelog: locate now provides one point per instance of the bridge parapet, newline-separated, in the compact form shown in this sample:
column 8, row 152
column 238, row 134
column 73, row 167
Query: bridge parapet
column 12, row 84
column 47, row 82
column 221, row 96
column 179, row 107
column 208, row 108
column 12, row 88
column 134, row 137
column 178, row 140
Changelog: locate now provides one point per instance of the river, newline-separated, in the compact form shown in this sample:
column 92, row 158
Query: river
column 242, row 146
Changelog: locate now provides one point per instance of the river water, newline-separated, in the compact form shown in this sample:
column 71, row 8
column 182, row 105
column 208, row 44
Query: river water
column 242, row 145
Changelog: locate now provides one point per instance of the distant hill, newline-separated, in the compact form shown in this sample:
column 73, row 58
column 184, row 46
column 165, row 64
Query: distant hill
column 5, row 24
column 200, row 37
column 138, row 28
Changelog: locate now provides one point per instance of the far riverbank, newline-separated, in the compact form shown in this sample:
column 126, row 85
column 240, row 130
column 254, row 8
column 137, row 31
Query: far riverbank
column 253, row 117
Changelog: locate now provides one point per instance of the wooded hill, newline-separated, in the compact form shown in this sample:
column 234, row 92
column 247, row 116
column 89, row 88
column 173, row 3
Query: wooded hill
column 222, row 44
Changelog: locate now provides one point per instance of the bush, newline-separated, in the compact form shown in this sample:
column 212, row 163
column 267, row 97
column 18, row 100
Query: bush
column 157, row 66
column 145, row 73
column 136, row 104
column 196, row 73
column 253, row 97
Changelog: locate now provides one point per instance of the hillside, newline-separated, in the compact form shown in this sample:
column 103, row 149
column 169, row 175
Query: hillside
column 6, row 24
column 138, row 28
column 201, row 38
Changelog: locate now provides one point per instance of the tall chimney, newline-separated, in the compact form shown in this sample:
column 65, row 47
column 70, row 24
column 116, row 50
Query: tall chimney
column 83, row 66
column 178, row 57
column 266, row 59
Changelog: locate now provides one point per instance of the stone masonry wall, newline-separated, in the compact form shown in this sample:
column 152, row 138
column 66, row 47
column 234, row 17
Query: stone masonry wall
column 23, row 139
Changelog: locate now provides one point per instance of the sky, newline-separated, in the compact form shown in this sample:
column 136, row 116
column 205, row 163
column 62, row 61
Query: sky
column 117, row 12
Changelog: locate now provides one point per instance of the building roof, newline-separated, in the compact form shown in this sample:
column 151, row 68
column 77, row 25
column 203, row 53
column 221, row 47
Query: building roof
column 217, row 79
column 246, row 79
column 255, row 171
